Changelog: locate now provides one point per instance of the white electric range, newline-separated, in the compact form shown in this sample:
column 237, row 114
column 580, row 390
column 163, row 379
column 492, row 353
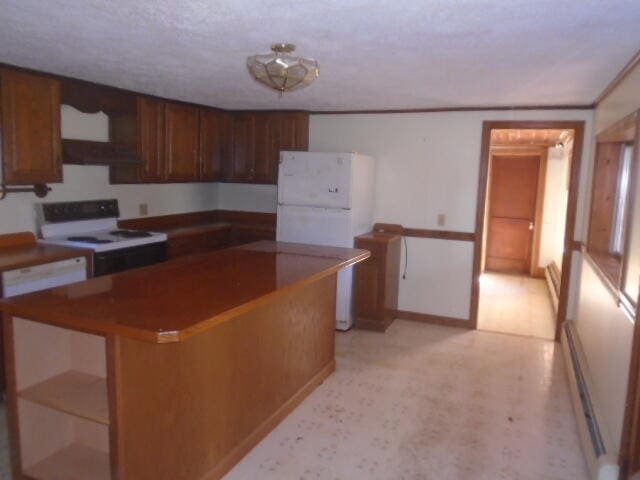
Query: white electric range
column 93, row 225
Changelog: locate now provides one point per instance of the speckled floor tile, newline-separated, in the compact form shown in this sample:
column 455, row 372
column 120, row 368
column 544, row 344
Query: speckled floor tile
column 423, row 402
column 515, row 304
column 428, row 402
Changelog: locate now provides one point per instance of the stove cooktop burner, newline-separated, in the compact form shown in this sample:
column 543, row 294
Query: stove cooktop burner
column 87, row 239
column 131, row 233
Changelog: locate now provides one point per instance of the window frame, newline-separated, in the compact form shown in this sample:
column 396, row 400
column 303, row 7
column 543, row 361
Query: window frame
column 612, row 266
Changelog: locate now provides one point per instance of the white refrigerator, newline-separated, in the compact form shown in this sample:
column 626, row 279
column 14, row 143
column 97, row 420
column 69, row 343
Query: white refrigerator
column 326, row 199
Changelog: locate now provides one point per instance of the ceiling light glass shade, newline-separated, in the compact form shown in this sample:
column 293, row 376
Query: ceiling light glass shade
column 282, row 71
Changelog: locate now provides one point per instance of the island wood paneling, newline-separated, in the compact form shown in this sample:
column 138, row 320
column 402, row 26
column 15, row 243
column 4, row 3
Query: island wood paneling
column 172, row 301
column 192, row 410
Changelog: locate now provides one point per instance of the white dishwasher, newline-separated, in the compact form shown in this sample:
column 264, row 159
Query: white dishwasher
column 43, row 276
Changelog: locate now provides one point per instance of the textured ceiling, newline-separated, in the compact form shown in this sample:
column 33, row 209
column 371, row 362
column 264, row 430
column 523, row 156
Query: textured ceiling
column 373, row 54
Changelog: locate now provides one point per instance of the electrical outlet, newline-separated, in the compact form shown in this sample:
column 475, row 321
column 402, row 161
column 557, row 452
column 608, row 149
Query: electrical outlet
column 143, row 209
column 442, row 219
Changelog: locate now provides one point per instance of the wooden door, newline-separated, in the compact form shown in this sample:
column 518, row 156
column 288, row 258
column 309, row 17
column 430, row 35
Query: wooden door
column 31, row 140
column 241, row 168
column 215, row 143
column 512, row 209
column 182, row 137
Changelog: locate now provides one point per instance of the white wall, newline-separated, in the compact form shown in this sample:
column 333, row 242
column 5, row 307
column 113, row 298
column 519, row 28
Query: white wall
column 632, row 283
column 251, row 198
column 17, row 211
column 428, row 164
column 622, row 101
column 556, row 194
column 605, row 331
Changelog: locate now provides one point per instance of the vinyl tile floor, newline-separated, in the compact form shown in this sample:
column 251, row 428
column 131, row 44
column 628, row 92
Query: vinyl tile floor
column 515, row 304
column 423, row 402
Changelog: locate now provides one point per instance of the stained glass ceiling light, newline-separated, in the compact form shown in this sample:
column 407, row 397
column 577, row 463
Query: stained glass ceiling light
column 282, row 71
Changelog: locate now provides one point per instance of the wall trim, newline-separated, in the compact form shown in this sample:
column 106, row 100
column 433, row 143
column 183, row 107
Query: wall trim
column 604, row 279
column 424, row 232
column 488, row 108
column 439, row 234
column 577, row 245
column 485, row 108
column 433, row 319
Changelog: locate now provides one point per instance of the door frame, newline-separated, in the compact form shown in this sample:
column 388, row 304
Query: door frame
column 542, row 154
column 572, row 203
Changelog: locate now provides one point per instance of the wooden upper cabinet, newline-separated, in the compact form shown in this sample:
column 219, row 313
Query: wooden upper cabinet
column 182, row 140
column 215, row 143
column 265, row 159
column 242, row 165
column 151, row 145
column 258, row 139
column 148, row 138
column 30, row 127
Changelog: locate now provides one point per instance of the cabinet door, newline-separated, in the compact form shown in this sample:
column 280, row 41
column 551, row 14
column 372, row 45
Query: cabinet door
column 276, row 132
column 267, row 133
column 215, row 143
column 149, row 140
column 241, row 168
column 31, row 144
column 367, row 284
column 151, row 145
column 296, row 132
column 282, row 131
column 182, row 136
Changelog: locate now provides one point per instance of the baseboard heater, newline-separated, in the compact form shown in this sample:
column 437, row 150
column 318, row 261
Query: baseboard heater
column 600, row 457
column 552, row 275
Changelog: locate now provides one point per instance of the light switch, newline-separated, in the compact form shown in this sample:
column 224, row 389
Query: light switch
column 143, row 209
column 442, row 219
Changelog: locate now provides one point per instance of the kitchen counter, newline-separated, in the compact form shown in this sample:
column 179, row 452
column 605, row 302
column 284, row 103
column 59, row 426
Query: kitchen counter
column 196, row 229
column 28, row 255
column 171, row 301
column 172, row 371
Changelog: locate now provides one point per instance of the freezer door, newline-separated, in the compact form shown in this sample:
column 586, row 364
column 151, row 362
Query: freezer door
column 315, row 179
column 314, row 226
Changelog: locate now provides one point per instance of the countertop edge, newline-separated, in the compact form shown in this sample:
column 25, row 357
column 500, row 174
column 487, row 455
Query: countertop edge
column 58, row 253
column 174, row 336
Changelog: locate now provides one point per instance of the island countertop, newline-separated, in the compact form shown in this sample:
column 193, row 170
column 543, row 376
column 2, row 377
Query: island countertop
column 171, row 301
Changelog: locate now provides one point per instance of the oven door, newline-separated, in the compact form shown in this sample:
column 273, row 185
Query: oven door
column 113, row 261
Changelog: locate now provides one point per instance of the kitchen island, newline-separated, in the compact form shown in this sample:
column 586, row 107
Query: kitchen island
column 169, row 372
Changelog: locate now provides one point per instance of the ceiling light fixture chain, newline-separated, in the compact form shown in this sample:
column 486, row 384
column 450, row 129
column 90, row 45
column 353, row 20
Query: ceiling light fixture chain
column 281, row 70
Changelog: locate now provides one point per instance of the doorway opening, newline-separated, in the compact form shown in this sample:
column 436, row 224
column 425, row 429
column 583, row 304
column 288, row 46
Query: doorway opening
column 525, row 221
